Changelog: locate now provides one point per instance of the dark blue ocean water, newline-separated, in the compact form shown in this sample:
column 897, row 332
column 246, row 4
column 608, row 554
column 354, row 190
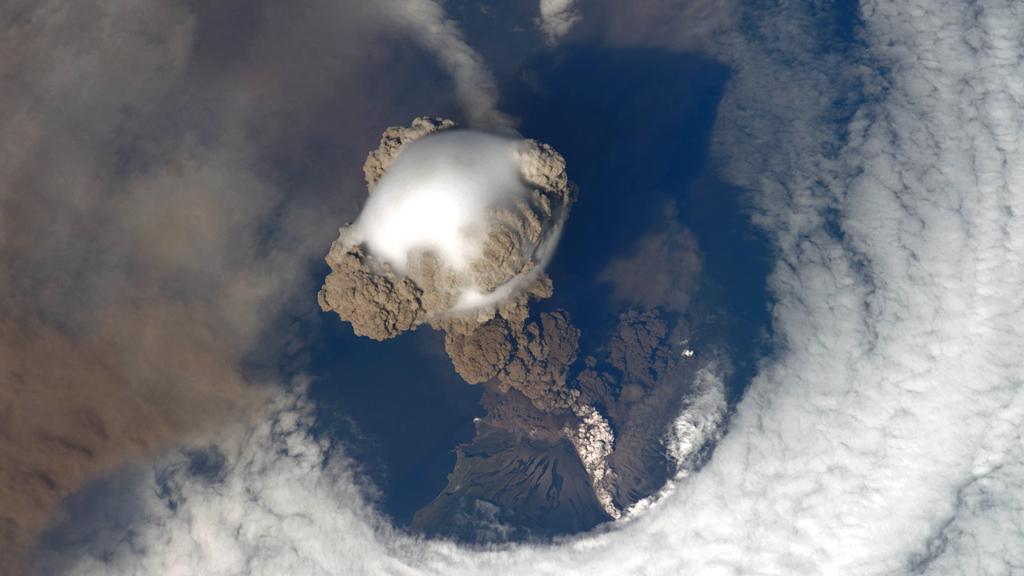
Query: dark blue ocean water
column 634, row 126
column 399, row 405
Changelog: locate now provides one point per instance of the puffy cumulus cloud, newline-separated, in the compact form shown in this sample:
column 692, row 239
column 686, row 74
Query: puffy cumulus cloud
column 898, row 252
column 557, row 18
column 151, row 158
column 259, row 505
column 699, row 424
column 266, row 497
column 984, row 535
column 456, row 233
column 882, row 438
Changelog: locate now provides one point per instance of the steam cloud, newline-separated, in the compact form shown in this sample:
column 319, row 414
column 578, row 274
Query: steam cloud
column 557, row 18
column 474, row 85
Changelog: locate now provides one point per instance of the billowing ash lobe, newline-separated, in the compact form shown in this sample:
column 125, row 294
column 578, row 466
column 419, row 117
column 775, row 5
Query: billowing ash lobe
column 455, row 234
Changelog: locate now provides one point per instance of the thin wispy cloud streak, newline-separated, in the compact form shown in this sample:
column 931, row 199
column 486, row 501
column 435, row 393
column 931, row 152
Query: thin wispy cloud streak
column 884, row 434
column 475, row 87
column 557, row 18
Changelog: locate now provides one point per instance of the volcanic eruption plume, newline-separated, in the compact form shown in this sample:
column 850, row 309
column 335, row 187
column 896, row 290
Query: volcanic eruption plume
column 455, row 234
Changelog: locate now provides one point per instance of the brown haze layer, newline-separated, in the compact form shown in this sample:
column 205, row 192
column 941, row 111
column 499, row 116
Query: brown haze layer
column 73, row 406
column 152, row 224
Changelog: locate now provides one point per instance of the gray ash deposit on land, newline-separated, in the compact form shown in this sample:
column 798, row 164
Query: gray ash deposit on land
column 456, row 234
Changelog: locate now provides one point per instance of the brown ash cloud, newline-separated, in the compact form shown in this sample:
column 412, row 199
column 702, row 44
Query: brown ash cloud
column 497, row 340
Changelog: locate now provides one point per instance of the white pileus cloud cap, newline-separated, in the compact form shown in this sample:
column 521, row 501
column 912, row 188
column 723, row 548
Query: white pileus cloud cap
column 436, row 194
